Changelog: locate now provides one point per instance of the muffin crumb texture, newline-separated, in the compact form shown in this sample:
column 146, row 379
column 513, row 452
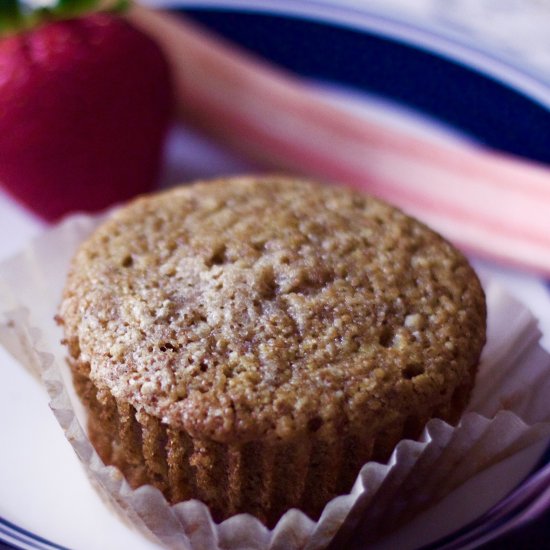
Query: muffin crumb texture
column 253, row 341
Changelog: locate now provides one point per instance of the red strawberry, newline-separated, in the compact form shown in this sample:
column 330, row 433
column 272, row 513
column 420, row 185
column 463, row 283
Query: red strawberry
column 84, row 108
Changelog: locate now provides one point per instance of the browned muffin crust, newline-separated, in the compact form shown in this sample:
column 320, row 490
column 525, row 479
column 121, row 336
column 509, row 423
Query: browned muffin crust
column 269, row 311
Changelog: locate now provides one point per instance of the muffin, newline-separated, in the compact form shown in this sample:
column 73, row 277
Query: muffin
column 252, row 342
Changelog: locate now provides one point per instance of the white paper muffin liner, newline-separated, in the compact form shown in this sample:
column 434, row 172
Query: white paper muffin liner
column 509, row 411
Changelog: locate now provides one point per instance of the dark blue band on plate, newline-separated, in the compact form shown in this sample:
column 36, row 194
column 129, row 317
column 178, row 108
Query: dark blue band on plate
column 493, row 113
column 17, row 537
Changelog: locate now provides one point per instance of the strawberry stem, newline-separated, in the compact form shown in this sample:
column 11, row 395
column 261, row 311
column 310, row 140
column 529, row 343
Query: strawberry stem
column 18, row 15
column 10, row 15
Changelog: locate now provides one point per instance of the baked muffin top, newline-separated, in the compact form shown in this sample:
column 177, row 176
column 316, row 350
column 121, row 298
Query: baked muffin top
column 260, row 307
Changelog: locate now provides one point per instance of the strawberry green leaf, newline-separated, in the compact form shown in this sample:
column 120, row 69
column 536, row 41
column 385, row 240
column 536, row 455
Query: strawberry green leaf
column 24, row 14
column 10, row 15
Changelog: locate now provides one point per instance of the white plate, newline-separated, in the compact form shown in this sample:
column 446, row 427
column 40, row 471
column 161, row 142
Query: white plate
column 43, row 489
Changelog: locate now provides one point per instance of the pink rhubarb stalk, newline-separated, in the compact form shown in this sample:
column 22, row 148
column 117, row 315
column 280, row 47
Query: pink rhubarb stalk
column 488, row 203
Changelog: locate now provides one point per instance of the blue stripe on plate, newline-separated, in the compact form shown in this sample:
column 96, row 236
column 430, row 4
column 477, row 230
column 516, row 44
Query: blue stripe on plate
column 545, row 458
column 423, row 32
column 506, row 512
column 18, row 537
column 500, row 116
